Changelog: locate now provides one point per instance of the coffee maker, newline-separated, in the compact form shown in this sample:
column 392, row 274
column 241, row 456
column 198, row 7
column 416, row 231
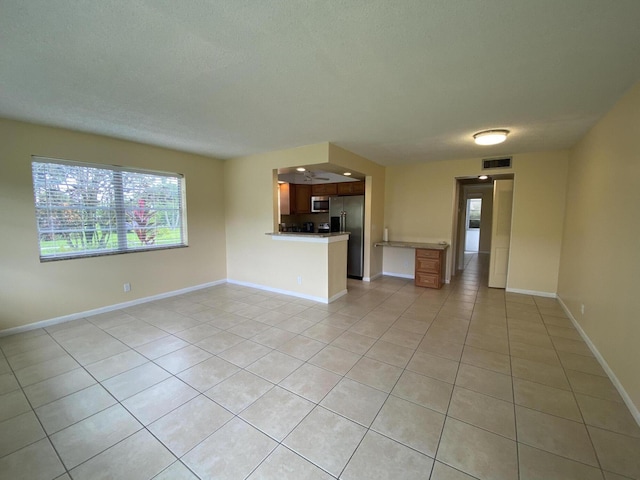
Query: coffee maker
column 307, row 227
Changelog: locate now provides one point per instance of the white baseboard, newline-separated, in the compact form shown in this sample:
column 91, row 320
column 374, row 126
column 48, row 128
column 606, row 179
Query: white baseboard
column 338, row 295
column 399, row 275
column 109, row 308
column 532, row 292
column 371, row 279
column 287, row 292
column 612, row 376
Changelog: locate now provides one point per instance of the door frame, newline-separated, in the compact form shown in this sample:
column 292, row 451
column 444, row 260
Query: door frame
column 459, row 215
column 470, row 196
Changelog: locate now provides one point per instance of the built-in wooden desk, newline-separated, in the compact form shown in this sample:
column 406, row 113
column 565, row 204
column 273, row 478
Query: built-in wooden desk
column 430, row 261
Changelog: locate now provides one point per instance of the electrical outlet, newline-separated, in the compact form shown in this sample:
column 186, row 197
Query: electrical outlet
column 582, row 308
column 127, row 287
column 299, row 279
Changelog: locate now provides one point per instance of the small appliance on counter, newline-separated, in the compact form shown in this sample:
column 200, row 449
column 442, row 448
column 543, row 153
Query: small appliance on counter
column 307, row 227
column 324, row 228
column 289, row 227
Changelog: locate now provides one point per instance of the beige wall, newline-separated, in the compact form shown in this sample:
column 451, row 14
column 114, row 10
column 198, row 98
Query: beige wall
column 250, row 212
column 600, row 266
column 31, row 291
column 337, row 269
column 420, row 202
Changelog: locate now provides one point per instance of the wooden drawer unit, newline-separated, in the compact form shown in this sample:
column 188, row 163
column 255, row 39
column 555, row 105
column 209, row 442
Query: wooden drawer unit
column 429, row 280
column 429, row 268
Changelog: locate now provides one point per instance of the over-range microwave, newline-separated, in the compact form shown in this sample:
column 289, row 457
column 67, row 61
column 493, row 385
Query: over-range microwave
column 319, row 204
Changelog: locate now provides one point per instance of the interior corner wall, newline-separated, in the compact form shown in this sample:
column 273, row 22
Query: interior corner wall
column 31, row 291
column 420, row 202
column 599, row 266
column 250, row 212
column 374, row 204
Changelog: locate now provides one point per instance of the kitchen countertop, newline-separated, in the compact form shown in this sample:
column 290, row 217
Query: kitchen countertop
column 431, row 246
column 307, row 235
column 327, row 238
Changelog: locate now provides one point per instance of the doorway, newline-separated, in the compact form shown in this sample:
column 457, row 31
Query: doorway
column 473, row 224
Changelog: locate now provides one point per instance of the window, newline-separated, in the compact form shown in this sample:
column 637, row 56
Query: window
column 474, row 209
column 85, row 210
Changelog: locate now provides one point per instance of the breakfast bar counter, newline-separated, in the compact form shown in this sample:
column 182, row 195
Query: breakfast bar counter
column 310, row 237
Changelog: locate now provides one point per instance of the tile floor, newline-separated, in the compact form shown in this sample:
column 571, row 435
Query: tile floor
column 389, row 382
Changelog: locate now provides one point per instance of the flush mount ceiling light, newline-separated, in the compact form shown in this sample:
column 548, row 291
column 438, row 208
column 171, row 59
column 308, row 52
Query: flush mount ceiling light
column 301, row 169
column 490, row 137
column 482, row 177
column 347, row 174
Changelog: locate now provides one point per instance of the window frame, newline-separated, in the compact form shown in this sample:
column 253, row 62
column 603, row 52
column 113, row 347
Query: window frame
column 118, row 207
column 469, row 209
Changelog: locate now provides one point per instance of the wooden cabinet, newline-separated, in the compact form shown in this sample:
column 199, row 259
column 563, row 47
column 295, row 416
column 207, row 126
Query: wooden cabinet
column 345, row 188
column 296, row 198
column 302, row 199
column 429, row 268
column 287, row 192
column 324, row 189
column 351, row 188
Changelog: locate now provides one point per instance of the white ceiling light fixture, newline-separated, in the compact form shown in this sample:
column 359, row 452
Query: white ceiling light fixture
column 490, row 137
column 483, row 177
column 301, row 169
column 347, row 174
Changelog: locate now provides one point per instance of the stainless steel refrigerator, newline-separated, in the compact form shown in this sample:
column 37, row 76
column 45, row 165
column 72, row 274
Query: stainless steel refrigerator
column 347, row 214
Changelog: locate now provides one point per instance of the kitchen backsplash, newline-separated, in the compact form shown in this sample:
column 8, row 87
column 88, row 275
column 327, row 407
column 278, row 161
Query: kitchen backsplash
column 299, row 219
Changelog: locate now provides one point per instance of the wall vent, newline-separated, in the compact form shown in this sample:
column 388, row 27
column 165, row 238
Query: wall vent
column 491, row 163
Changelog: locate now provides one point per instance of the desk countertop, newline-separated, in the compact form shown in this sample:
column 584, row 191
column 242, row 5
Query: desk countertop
column 431, row 246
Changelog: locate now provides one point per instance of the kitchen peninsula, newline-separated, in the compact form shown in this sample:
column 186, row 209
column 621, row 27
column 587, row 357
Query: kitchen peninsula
column 316, row 263
column 301, row 236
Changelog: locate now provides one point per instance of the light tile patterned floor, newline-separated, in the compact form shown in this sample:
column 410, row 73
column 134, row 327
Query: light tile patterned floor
column 389, row 382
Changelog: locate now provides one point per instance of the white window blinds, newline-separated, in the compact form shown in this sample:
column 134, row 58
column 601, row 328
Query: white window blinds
column 89, row 209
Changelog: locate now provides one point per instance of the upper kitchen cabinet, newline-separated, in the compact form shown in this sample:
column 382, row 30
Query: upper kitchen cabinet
column 351, row 188
column 324, row 189
column 302, row 198
column 287, row 192
column 300, row 185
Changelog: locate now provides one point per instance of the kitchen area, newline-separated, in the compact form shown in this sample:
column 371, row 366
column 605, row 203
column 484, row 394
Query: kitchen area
column 324, row 204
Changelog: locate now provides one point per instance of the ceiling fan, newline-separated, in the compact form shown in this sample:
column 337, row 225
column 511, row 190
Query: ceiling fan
column 310, row 176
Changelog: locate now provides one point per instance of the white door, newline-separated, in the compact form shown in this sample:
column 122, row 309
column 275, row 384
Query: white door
column 500, row 233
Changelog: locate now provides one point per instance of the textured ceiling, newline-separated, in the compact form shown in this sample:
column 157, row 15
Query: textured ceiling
column 395, row 81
